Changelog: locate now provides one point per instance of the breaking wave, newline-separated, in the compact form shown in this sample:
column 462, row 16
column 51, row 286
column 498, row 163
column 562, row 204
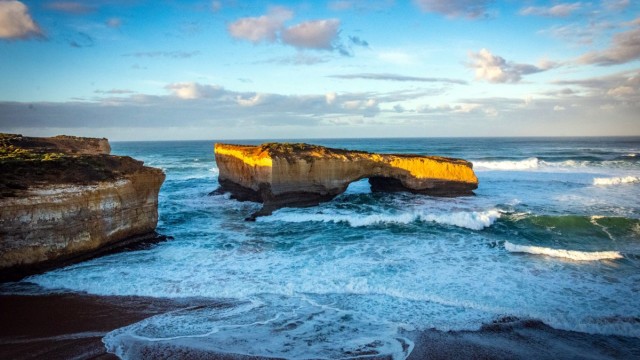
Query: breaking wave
column 616, row 180
column 474, row 220
column 562, row 253
column 530, row 163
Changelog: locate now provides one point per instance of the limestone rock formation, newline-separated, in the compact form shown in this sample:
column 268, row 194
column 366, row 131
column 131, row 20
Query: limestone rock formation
column 63, row 199
column 298, row 175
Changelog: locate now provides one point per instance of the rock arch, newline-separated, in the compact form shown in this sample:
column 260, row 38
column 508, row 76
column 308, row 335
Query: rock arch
column 299, row 175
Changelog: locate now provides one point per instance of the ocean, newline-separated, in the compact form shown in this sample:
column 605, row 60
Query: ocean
column 552, row 234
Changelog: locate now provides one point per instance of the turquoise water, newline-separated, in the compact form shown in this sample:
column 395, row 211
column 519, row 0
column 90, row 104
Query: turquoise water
column 552, row 234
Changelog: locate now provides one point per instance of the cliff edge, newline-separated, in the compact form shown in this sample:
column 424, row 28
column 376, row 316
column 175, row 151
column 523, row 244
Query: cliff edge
column 64, row 199
column 297, row 175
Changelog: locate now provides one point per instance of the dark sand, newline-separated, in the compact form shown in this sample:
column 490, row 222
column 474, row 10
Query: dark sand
column 71, row 326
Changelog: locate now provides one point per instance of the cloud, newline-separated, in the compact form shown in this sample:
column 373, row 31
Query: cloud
column 579, row 33
column 455, row 8
column 193, row 91
column 261, row 29
column 115, row 92
column 114, row 22
column 559, row 10
column 496, row 69
column 396, row 77
column 615, row 5
column 193, row 104
column 360, row 5
column 71, row 7
column 216, row 5
column 16, row 22
column 80, row 40
column 621, row 86
column 297, row 59
column 315, row 34
column 358, row 42
column 166, row 54
column 625, row 47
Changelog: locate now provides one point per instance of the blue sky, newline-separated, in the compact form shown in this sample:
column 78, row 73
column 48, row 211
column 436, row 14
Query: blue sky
column 231, row 69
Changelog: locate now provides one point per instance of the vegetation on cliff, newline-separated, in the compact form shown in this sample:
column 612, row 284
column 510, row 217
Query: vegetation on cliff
column 27, row 162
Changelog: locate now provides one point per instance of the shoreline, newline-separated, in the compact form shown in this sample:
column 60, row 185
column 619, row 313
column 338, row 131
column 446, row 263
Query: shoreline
column 71, row 325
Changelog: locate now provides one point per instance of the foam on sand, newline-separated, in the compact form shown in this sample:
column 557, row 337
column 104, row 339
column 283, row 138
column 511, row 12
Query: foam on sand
column 561, row 253
column 290, row 328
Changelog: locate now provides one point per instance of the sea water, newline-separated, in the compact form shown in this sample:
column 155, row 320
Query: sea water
column 552, row 234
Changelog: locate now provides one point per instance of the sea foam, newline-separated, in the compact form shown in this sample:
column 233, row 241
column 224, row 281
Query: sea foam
column 530, row 163
column 616, row 180
column 561, row 253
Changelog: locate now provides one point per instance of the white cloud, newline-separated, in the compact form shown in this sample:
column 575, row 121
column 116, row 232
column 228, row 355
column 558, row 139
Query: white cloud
column 625, row 47
column 316, row 34
column 496, row 69
column 621, row 91
column 455, row 8
column 255, row 100
column 16, row 22
column 559, row 10
column 559, row 108
column 330, row 98
column 192, row 90
column 263, row 28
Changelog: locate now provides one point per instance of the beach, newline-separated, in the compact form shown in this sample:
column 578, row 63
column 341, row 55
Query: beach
column 71, row 326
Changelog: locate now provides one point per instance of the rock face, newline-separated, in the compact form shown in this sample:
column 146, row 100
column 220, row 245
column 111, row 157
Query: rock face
column 298, row 175
column 63, row 199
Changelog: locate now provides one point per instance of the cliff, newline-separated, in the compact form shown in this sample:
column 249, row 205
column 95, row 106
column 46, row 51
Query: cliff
column 297, row 175
column 64, row 199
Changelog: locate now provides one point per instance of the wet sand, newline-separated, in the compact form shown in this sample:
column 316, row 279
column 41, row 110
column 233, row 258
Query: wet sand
column 71, row 326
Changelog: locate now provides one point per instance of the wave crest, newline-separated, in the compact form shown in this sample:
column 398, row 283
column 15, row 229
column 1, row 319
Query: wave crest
column 530, row 163
column 561, row 253
column 616, row 180
column 474, row 220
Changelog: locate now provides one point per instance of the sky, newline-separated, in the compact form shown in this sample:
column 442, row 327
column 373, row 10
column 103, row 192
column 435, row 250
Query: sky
column 232, row 69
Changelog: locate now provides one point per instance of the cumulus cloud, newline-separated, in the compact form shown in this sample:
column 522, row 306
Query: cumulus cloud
column 316, row 34
column 16, row 22
column 263, row 28
column 559, row 10
column 320, row 34
column 496, row 69
column 396, row 77
column 455, row 8
column 71, row 7
column 625, row 47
